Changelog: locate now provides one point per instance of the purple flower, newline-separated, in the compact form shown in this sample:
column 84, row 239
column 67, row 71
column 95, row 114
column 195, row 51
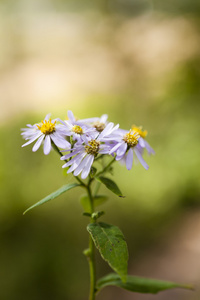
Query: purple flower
column 126, row 145
column 77, row 129
column 46, row 131
column 84, row 154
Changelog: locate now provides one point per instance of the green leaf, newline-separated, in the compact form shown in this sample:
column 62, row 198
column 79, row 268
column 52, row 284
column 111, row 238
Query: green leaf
column 54, row 195
column 110, row 242
column 98, row 200
column 111, row 185
column 139, row 284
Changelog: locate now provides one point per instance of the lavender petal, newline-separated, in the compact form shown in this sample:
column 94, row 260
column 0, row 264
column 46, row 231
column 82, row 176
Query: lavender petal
column 122, row 149
column 77, row 162
column 87, row 167
column 129, row 159
column 149, row 149
column 142, row 161
column 33, row 139
column 71, row 116
column 103, row 119
column 38, row 143
column 69, row 155
column 81, row 166
column 60, row 141
column 116, row 147
column 47, row 117
column 141, row 142
column 107, row 130
column 47, row 145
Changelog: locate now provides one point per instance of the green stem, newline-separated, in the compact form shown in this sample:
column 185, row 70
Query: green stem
column 106, row 168
column 91, row 257
column 98, row 184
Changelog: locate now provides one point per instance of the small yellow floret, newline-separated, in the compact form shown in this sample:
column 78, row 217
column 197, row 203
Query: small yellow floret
column 131, row 138
column 77, row 129
column 47, row 127
column 93, row 147
column 142, row 133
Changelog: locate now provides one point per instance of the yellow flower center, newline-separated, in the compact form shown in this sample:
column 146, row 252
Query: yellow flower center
column 47, row 127
column 92, row 147
column 131, row 138
column 77, row 129
column 99, row 126
column 141, row 132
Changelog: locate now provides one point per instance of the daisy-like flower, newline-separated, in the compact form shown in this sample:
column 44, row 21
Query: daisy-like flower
column 84, row 155
column 46, row 131
column 126, row 146
column 78, row 131
column 142, row 142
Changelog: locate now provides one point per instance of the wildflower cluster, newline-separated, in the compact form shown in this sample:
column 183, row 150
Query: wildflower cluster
column 85, row 140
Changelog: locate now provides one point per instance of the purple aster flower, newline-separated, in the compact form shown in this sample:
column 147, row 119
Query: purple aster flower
column 79, row 132
column 84, row 155
column 126, row 145
column 46, row 131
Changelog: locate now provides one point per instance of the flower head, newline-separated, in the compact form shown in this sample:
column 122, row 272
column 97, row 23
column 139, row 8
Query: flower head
column 131, row 138
column 48, row 131
column 47, row 126
column 125, row 146
column 79, row 132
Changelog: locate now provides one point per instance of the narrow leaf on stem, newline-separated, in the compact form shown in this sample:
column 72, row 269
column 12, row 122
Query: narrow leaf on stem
column 139, row 284
column 54, row 195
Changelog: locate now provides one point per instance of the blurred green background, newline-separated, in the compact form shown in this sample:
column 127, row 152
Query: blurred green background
column 137, row 61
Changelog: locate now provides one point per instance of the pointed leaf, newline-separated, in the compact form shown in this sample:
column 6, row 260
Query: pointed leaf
column 54, row 195
column 110, row 242
column 139, row 284
column 98, row 200
column 111, row 185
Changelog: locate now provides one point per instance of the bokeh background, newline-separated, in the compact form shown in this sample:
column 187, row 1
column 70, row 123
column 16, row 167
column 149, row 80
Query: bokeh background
column 137, row 61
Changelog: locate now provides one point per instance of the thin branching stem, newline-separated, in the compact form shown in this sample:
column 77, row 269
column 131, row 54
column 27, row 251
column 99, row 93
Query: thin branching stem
column 106, row 168
column 91, row 257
